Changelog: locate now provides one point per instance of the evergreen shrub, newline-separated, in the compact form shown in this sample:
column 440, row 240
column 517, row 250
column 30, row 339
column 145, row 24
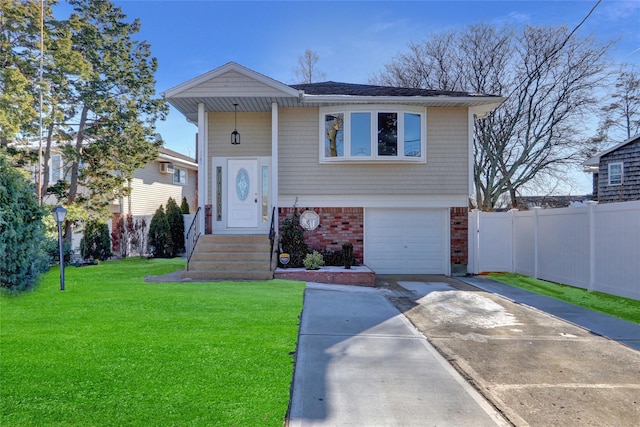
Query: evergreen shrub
column 160, row 243
column 21, row 230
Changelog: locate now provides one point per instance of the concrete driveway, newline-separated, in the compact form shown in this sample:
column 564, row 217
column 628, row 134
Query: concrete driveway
column 535, row 368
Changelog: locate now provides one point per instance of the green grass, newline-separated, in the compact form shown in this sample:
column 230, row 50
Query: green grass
column 112, row 350
column 623, row 308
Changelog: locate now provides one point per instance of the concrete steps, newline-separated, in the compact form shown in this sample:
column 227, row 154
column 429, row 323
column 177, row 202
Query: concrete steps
column 230, row 257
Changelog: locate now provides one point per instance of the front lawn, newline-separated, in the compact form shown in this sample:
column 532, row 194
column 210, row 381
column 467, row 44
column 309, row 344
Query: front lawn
column 112, row 350
column 623, row 308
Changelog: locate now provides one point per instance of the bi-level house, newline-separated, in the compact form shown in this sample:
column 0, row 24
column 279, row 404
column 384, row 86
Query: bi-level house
column 387, row 169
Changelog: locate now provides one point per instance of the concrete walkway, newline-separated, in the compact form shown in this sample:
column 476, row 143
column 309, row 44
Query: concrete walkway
column 360, row 362
column 598, row 323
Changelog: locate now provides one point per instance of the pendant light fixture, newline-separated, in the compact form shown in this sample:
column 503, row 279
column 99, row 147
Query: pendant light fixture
column 235, row 135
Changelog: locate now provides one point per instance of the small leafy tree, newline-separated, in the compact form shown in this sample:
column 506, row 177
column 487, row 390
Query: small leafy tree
column 21, row 230
column 160, row 243
column 96, row 242
column 184, row 207
column 176, row 225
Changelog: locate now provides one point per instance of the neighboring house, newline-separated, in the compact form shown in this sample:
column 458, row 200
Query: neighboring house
column 170, row 175
column 387, row 169
column 616, row 172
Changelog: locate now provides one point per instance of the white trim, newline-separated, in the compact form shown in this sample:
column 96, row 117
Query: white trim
column 176, row 91
column 471, row 132
column 203, row 169
column 621, row 173
column 377, row 201
column 221, row 227
column 177, row 161
column 595, row 160
column 373, row 110
column 274, row 156
column 482, row 105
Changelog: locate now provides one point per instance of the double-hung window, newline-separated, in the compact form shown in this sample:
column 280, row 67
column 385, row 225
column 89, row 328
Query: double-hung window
column 179, row 176
column 377, row 134
column 615, row 173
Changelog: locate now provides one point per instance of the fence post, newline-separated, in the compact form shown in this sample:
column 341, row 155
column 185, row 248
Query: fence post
column 474, row 237
column 513, row 240
column 536, row 234
column 591, row 220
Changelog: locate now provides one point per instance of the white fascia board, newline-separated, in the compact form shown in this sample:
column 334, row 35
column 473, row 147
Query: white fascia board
column 595, row 160
column 377, row 201
column 489, row 103
column 231, row 66
column 177, row 161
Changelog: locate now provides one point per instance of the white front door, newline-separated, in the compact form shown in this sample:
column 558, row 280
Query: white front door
column 242, row 181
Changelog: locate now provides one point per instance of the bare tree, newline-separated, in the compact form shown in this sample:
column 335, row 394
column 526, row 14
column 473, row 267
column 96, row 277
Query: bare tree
column 548, row 76
column 307, row 71
column 621, row 116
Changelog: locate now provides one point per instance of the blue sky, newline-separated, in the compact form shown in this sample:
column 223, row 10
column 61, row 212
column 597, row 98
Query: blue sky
column 353, row 39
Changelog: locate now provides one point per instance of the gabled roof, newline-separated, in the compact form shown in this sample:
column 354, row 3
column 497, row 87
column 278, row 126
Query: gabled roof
column 593, row 162
column 232, row 83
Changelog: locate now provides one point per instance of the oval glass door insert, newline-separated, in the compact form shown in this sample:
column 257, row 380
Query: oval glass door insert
column 242, row 184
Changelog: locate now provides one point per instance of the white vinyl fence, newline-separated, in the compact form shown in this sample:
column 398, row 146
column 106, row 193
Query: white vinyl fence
column 595, row 247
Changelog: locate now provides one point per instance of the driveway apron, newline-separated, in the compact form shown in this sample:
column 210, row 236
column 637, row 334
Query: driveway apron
column 361, row 362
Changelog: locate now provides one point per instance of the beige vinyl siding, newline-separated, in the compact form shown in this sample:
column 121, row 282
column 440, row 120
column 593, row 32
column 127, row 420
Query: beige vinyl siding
column 150, row 189
column 255, row 137
column 231, row 84
column 446, row 171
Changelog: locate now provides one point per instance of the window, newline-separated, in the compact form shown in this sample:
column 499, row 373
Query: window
column 56, row 169
column 373, row 134
column 615, row 173
column 179, row 176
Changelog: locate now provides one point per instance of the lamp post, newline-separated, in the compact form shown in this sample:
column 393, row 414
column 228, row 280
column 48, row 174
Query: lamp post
column 58, row 214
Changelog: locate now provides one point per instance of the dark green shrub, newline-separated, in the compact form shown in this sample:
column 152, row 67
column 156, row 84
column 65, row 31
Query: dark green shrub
column 184, row 207
column 53, row 251
column 160, row 243
column 96, row 242
column 21, row 230
column 176, row 225
column 292, row 240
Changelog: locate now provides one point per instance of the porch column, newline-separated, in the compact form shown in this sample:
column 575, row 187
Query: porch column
column 274, row 155
column 203, row 164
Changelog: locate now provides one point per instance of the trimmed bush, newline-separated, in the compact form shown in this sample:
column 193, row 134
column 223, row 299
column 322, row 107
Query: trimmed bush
column 96, row 242
column 21, row 230
column 176, row 226
column 160, row 244
column 184, row 207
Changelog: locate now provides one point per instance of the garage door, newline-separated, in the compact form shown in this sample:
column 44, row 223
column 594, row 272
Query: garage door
column 406, row 241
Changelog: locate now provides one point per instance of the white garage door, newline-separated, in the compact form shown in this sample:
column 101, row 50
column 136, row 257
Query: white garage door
column 406, row 241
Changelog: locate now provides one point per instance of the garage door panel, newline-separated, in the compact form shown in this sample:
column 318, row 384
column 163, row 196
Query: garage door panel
column 406, row 241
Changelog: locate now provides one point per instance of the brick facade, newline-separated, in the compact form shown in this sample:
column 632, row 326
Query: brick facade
column 459, row 236
column 337, row 226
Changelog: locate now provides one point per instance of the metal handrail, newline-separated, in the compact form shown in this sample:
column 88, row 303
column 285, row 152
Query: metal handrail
column 272, row 237
column 192, row 236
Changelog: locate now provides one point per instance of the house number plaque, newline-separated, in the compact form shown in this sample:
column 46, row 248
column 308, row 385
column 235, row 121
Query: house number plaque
column 309, row 220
